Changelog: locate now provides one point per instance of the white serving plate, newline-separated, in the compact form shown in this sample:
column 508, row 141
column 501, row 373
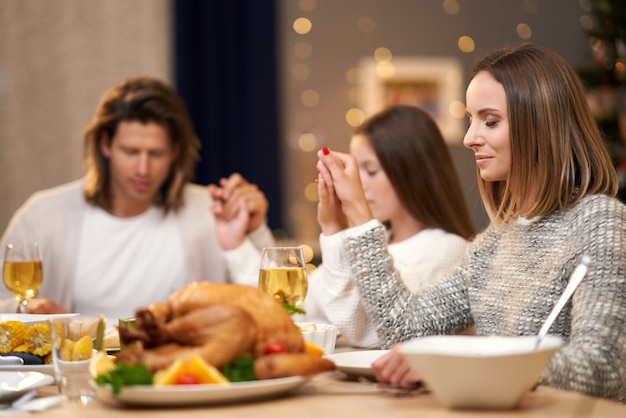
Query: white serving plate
column 185, row 395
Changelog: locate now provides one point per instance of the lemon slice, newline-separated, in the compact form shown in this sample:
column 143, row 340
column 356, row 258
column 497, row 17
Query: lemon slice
column 205, row 372
column 313, row 349
column 100, row 364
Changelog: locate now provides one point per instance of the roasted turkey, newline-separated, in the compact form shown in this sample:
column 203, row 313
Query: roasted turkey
column 218, row 322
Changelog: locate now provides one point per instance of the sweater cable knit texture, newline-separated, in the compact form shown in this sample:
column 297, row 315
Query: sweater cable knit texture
column 508, row 282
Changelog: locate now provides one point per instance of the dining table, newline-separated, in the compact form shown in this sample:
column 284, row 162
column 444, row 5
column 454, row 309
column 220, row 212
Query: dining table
column 337, row 394
column 328, row 395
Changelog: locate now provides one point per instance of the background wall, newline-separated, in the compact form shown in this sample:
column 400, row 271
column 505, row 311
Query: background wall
column 58, row 57
column 323, row 87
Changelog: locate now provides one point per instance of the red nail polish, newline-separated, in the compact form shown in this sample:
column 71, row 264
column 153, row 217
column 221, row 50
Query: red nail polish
column 325, row 150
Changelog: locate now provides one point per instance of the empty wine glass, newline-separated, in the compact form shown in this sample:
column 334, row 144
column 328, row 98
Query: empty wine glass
column 283, row 274
column 22, row 271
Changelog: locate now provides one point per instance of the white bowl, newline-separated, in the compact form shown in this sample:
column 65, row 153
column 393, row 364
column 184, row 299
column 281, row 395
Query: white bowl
column 322, row 335
column 479, row 372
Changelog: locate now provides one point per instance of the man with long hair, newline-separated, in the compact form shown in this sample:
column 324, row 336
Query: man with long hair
column 135, row 228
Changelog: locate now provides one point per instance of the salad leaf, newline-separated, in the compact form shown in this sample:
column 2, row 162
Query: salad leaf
column 239, row 370
column 293, row 309
column 125, row 375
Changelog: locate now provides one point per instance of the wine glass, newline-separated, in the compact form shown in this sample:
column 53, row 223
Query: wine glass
column 22, row 271
column 283, row 274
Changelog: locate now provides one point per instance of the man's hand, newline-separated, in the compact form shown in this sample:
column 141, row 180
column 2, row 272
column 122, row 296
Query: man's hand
column 44, row 306
column 239, row 208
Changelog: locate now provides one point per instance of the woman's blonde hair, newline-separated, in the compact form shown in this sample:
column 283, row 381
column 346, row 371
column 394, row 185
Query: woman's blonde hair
column 557, row 150
column 141, row 99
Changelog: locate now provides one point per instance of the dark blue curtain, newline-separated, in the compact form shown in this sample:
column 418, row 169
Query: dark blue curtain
column 226, row 72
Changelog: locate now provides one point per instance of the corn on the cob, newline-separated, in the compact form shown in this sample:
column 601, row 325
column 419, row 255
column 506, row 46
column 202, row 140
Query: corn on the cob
column 37, row 339
column 12, row 334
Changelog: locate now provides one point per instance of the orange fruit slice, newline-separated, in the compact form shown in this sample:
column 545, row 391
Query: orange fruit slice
column 205, row 372
column 169, row 375
column 313, row 349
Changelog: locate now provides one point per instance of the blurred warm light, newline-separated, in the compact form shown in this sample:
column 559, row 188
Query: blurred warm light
column 531, row 6
column 457, row 109
column 524, row 31
column 382, row 54
column 302, row 50
column 586, row 22
column 451, row 7
column 355, row 117
column 307, row 5
column 300, row 72
column 385, row 69
column 307, row 142
column 366, row 24
column 310, row 192
column 310, row 98
column 585, row 5
column 466, row 44
column 308, row 252
column 302, row 25
column 354, row 76
column 619, row 66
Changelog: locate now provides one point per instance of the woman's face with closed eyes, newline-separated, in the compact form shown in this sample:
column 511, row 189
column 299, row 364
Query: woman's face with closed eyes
column 488, row 133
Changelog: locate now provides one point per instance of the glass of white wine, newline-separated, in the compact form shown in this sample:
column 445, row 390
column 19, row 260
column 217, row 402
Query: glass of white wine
column 22, row 271
column 283, row 274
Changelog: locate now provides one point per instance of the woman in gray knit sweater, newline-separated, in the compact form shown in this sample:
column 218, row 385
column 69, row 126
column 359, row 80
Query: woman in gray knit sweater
column 548, row 183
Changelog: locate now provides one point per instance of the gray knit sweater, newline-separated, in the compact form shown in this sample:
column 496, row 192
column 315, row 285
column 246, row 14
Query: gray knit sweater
column 508, row 282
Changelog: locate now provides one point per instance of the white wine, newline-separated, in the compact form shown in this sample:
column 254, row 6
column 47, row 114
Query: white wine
column 284, row 284
column 23, row 278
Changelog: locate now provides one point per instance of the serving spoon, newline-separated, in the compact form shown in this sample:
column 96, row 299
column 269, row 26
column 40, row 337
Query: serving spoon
column 574, row 280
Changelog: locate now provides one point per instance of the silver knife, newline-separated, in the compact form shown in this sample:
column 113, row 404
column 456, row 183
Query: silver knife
column 11, row 361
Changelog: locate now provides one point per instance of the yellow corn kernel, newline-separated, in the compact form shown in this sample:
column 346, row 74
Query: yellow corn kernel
column 11, row 335
column 82, row 349
column 37, row 339
column 20, row 349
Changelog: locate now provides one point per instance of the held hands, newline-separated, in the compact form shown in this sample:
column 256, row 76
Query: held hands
column 339, row 185
column 239, row 208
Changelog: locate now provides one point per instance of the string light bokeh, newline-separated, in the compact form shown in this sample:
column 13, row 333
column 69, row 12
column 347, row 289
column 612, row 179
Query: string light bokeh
column 308, row 127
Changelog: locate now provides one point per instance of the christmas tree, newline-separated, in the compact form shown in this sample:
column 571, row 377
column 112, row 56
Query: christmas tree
column 605, row 78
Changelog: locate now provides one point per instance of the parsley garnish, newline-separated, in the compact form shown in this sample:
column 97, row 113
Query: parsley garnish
column 125, row 375
column 239, row 370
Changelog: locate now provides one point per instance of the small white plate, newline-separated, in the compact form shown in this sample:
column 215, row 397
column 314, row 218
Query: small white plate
column 32, row 319
column 356, row 363
column 15, row 384
column 179, row 395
